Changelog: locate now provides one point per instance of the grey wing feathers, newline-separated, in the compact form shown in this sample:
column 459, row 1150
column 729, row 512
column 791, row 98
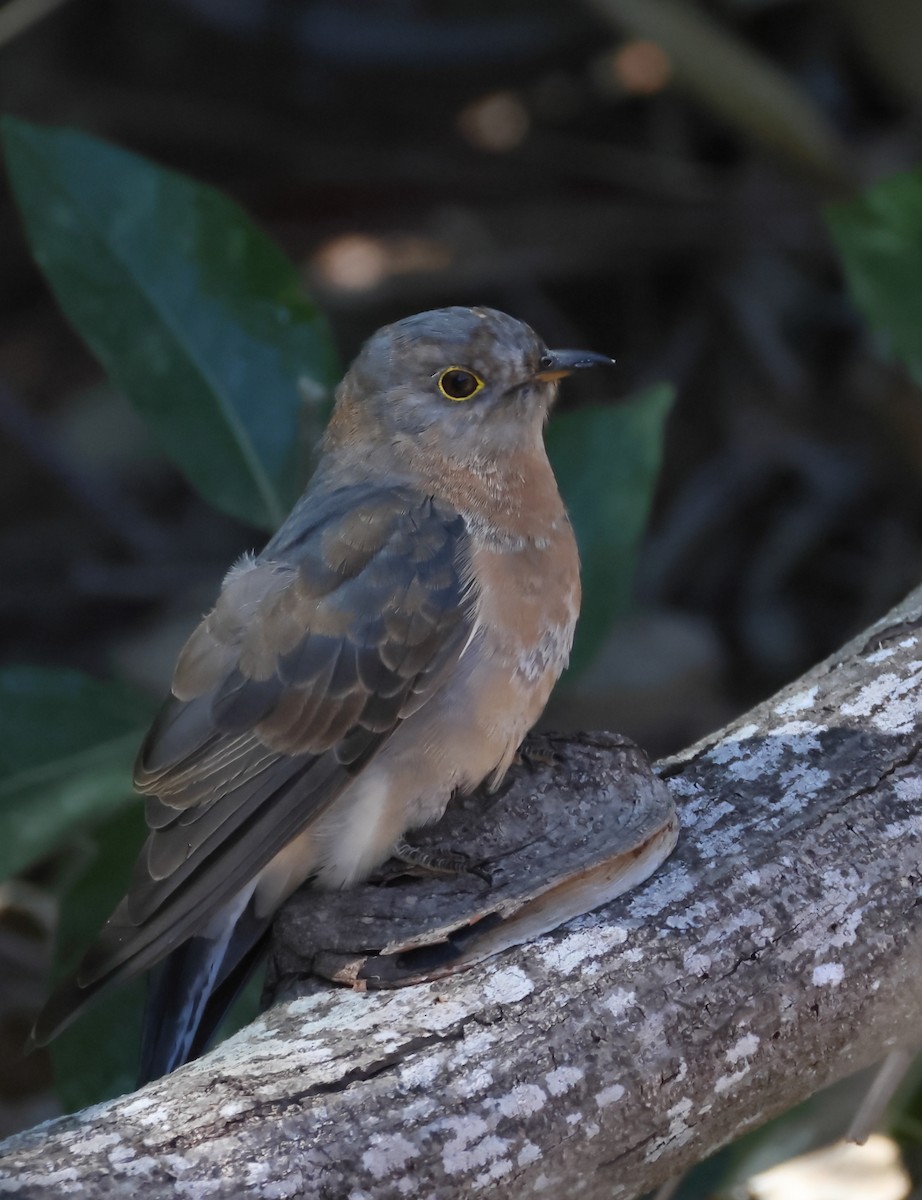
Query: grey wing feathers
column 313, row 654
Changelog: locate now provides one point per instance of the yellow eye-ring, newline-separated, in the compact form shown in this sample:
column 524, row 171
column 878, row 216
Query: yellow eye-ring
column 458, row 383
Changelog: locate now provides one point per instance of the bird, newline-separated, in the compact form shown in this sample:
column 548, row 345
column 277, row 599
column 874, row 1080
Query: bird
column 391, row 645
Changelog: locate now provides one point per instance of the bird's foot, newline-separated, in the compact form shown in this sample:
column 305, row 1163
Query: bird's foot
column 535, row 753
column 436, row 862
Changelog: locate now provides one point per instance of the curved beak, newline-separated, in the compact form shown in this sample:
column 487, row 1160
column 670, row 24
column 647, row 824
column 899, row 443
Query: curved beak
column 556, row 364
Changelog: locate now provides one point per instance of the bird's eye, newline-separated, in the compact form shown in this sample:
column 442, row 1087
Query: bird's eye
column 458, row 383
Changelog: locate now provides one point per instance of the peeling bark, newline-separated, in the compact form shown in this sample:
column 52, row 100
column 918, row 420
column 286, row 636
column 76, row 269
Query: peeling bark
column 554, row 845
column 776, row 951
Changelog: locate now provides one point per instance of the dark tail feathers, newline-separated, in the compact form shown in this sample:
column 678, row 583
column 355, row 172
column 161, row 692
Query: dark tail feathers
column 192, row 989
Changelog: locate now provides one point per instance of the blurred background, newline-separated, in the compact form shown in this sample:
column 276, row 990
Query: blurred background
column 646, row 178
column 648, row 181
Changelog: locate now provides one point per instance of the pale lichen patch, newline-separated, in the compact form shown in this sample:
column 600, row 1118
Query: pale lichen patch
column 892, row 703
column 562, row 1079
column 387, row 1154
column 829, row 974
column 477, row 1042
column 766, row 756
column 731, row 747
column 693, row 916
column 726, row 1082
column 708, row 817
column 679, row 1131
column 801, row 783
column 158, row 1117
column 422, row 1109
column 141, row 1104
column 721, row 843
column 463, row 1154
column 194, row 1189
column 908, row 787
column 846, row 932
column 257, row 1173
column 567, row 954
column 619, row 1001
column 495, row 1171
column 507, row 986
column 524, row 1100
column 609, row 1095
column 745, row 919
column 881, row 655
column 93, row 1145
column 909, row 827
column 142, row 1165
column 670, row 886
column 743, row 1047
column 421, row 1072
column 120, row 1154
column 177, row 1164
column 473, row 1082
column 284, row 1189
column 528, row 1154
column 684, row 788
column 797, row 703
column 28, row 1180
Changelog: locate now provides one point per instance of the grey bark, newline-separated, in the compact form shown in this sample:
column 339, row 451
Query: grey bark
column 776, row 951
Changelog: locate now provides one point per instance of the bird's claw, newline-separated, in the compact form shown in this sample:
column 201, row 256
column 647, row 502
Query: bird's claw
column 533, row 754
column 436, row 862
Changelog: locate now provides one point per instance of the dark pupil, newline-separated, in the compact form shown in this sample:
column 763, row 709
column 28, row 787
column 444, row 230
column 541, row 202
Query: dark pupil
column 459, row 384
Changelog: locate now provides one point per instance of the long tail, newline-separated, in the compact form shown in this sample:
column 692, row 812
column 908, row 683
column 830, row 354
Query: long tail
column 191, row 990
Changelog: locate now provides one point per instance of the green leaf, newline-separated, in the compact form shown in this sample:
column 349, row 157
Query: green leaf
column 97, row 1056
column 67, row 744
column 879, row 236
column 606, row 459
column 194, row 313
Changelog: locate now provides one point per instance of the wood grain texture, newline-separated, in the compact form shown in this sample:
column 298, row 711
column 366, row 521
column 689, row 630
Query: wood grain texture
column 536, row 862
column 777, row 950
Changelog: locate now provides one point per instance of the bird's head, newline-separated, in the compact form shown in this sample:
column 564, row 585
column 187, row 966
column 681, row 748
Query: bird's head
column 464, row 381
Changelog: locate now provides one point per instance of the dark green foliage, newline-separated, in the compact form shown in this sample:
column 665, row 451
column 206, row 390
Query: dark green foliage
column 607, row 460
column 879, row 236
column 194, row 312
column 66, row 748
column 97, row 1057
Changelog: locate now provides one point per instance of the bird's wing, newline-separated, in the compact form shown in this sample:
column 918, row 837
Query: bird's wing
column 316, row 650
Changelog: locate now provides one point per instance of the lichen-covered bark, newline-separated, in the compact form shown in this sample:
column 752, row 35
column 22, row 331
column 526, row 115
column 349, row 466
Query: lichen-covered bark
column 777, row 950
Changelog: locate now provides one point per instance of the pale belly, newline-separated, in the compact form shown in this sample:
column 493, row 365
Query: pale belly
column 467, row 734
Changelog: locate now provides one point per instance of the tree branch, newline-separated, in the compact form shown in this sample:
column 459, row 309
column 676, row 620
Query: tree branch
column 776, row 951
